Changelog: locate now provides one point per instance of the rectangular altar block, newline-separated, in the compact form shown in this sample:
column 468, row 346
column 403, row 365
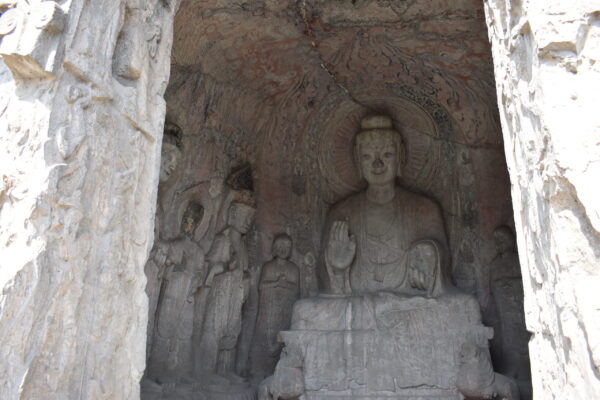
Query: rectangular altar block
column 409, row 350
column 320, row 396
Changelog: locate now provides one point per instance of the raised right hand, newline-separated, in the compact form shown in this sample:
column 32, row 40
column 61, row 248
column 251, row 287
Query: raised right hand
column 341, row 246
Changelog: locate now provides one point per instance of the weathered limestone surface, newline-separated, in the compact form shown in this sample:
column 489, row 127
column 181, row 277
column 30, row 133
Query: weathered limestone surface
column 81, row 116
column 546, row 57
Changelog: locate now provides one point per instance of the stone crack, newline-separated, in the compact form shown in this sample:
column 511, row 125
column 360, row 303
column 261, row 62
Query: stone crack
column 315, row 46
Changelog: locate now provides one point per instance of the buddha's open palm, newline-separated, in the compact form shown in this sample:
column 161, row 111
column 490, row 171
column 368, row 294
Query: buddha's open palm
column 341, row 246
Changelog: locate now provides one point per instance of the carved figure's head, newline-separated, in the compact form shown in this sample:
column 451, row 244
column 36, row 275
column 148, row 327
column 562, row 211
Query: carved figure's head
column 282, row 246
column 170, row 153
column 504, row 239
column 241, row 216
column 191, row 218
column 378, row 150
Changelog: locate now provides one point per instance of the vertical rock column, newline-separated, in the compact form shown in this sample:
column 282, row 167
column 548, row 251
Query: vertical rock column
column 547, row 66
column 81, row 118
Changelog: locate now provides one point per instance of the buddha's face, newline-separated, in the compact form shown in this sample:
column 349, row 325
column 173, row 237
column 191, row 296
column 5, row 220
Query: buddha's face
column 241, row 217
column 378, row 158
column 282, row 248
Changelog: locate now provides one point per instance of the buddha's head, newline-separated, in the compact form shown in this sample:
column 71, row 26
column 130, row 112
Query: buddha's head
column 378, row 150
column 282, row 246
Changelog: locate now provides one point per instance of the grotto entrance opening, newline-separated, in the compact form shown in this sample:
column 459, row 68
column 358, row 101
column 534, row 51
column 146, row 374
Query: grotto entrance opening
column 265, row 108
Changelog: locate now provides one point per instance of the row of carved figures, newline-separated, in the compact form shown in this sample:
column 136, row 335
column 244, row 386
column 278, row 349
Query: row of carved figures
column 217, row 313
column 206, row 292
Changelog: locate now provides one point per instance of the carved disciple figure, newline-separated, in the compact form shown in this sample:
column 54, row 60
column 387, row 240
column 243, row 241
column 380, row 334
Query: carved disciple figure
column 368, row 235
column 170, row 156
column 228, row 283
column 279, row 289
column 171, row 273
column 171, row 357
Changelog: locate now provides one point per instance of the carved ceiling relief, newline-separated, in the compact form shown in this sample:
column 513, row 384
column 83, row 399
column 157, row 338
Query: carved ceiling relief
column 369, row 58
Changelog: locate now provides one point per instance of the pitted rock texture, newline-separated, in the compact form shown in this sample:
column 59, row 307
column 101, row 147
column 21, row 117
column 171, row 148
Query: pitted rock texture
column 548, row 81
column 80, row 149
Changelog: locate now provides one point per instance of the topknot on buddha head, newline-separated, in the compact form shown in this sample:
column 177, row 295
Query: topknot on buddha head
column 376, row 122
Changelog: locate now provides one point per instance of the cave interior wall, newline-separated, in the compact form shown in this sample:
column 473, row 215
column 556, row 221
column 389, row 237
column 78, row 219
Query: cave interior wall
column 280, row 87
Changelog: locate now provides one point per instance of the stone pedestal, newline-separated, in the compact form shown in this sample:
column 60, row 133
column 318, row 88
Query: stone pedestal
column 197, row 391
column 382, row 346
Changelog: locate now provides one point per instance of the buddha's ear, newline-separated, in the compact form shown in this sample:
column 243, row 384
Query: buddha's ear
column 401, row 158
column 357, row 162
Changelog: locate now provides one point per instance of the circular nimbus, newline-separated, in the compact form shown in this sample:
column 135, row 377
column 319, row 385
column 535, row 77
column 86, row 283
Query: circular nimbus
column 421, row 135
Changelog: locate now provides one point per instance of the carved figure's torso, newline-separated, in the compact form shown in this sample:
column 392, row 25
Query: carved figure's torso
column 278, row 291
column 384, row 233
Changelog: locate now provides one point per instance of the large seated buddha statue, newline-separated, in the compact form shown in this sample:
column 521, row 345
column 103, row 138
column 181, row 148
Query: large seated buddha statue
column 369, row 235
column 389, row 323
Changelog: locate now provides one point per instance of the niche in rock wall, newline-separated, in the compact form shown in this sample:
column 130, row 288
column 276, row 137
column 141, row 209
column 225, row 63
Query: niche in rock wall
column 238, row 245
column 261, row 158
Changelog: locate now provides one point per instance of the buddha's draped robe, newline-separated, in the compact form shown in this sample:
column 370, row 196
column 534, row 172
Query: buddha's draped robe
column 384, row 234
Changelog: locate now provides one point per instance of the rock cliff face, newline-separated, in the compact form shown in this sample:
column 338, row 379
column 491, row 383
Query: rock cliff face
column 82, row 112
column 548, row 83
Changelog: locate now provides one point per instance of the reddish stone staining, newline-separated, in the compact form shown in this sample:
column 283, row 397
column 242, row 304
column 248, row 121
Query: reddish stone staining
column 273, row 53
